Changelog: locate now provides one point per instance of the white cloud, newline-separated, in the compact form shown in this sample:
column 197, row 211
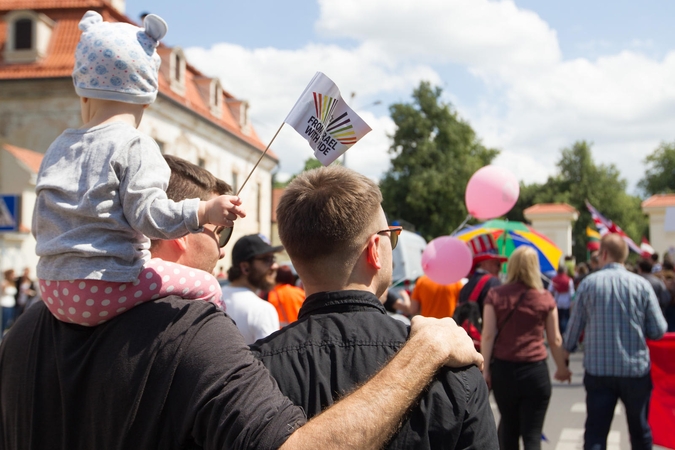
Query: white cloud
column 533, row 101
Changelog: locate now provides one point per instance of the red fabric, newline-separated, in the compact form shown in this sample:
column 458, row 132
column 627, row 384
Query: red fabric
column 662, row 404
column 473, row 297
column 473, row 333
column 561, row 283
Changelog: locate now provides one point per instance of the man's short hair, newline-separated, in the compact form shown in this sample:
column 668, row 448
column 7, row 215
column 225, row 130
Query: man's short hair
column 645, row 265
column 325, row 212
column 615, row 246
column 191, row 181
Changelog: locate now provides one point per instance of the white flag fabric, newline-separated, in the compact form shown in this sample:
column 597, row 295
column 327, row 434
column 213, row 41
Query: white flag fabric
column 324, row 119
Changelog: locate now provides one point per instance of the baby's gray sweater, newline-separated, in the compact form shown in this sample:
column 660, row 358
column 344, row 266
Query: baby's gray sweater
column 100, row 197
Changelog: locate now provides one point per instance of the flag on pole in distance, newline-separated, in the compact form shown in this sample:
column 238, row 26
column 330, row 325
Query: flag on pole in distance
column 593, row 236
column 324, row 119
column 606, row 226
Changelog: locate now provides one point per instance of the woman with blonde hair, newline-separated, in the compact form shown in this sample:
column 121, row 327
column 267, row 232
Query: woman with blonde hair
column 515, row 316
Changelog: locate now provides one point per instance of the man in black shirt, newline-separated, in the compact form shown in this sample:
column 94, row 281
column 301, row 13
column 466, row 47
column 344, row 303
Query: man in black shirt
column 176, row 374
column 335, row 231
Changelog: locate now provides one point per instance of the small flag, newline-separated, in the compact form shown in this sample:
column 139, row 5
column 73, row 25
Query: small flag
column 593, row 236
column 647, row 249
column 606, row 226
column 324, row 119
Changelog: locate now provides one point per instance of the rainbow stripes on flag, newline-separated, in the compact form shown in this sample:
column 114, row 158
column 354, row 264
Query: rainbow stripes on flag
column 323, row 118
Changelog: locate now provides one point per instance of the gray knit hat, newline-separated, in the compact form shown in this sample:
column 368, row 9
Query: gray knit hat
column 117, row 61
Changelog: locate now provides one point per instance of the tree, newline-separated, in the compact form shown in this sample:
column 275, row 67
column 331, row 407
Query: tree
column 434, row 154
column 579, row 179
column 660, row 175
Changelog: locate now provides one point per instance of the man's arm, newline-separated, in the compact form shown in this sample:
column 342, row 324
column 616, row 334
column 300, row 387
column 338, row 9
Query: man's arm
column 368, row 417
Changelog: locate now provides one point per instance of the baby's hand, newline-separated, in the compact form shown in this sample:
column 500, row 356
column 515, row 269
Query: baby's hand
column 222, row 211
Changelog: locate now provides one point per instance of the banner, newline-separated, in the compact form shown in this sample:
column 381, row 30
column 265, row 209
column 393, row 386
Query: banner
column 662, row 403
column 323, row 118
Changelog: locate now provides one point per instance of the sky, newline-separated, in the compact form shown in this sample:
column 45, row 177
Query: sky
column 531, row 77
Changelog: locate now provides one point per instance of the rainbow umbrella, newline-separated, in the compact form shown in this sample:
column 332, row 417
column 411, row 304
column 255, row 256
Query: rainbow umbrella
column 511, row 235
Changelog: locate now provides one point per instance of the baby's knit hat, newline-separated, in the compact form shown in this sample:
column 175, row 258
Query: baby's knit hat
column 117, row 61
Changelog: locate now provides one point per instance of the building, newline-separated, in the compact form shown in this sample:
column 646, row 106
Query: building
column 661, row 211
column 194, row 117
column 555, row 221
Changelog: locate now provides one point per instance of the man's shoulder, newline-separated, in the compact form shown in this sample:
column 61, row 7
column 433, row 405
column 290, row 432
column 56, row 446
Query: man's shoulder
column 354, row 329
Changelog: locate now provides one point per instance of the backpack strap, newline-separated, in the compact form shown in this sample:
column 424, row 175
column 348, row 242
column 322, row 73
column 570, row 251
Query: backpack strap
column 478, row 288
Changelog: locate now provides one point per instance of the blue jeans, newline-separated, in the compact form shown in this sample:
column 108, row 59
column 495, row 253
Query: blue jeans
column 7, row 319
column 602, row 394
column 563, row 318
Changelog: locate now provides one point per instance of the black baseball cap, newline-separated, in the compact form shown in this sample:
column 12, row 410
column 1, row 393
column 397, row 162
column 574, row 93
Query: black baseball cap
column 250, row 246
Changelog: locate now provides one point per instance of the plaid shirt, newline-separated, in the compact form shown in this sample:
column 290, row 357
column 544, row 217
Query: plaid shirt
column 618, row 311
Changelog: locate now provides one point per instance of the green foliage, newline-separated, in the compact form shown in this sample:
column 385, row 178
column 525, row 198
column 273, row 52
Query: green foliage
column 579, row 178
column 660, row 175
column 434, row 153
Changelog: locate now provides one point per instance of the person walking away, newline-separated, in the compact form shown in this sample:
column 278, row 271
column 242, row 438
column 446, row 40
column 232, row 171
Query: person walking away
column 7, row 301
column 562, row 288
column 514, row 320
column 644, row 269
column 254, row 268
column 285, row 296
column 25, row 291
column 617, row 311
column 100, row 190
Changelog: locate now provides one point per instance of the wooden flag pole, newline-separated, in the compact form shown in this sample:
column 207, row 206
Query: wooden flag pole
column 260, row 159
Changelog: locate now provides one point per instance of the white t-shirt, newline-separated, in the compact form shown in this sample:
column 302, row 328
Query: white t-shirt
column 255, row 318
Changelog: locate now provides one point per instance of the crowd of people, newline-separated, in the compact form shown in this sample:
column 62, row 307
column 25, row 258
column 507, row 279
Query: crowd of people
column 136, row 344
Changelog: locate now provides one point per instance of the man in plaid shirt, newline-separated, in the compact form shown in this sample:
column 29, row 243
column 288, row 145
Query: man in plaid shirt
column 618, row 311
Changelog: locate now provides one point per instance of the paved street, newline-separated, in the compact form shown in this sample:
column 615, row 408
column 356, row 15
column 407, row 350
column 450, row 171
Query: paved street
column 564, row 426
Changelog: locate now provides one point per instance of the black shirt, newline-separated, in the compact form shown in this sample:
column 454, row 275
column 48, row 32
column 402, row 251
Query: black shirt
column 167, row 374
column 343, row 338
column 467, row 289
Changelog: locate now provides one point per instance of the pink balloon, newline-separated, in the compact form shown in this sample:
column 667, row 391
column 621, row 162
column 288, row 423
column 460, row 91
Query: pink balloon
column 491, row 192
column 446, row 260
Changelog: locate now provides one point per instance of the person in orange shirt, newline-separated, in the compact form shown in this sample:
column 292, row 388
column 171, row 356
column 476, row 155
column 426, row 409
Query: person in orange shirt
column 431, row 299
column 286, row 297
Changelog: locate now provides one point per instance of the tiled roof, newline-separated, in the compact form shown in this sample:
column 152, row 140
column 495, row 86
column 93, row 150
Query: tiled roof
column 60, row 59
column 659, row 200
column 29, row 158
column 549, row 208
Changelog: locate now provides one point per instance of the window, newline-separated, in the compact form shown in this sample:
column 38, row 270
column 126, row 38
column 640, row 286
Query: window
column 23, row 34
column 28, row 35
column 176, row 70
column 201, row 162
column 259, row 212
column 161, row 145
column 177, row 67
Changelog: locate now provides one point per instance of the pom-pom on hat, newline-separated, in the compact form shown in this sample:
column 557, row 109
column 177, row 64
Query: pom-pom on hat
column 117, row 61
column 483, row 247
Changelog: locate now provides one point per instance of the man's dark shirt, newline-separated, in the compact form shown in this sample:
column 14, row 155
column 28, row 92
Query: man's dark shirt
column 660, row 289
column 467, row 289
column 343, row 338
column 167, row 374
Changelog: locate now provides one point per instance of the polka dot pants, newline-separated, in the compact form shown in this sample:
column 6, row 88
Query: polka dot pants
column 93, row 302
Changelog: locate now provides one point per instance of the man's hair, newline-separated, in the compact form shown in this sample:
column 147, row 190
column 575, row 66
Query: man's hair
column 326, row 212
column 524, row 267
column 645, row 265
column 655, row 257
column 615, row 246
column 234, row 273
column 191, row 181
column 285, row 275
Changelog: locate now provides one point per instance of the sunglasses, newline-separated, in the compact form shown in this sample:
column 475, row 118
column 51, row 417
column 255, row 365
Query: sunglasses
column 394, row 232
column 269, row 260
column 224, row 235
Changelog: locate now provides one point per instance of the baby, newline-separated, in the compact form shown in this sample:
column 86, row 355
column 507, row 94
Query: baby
column 101, row 188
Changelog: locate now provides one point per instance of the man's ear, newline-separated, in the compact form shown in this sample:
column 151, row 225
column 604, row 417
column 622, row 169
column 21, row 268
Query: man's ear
column 181, row 243
column 373, row 257
column 245, row 267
